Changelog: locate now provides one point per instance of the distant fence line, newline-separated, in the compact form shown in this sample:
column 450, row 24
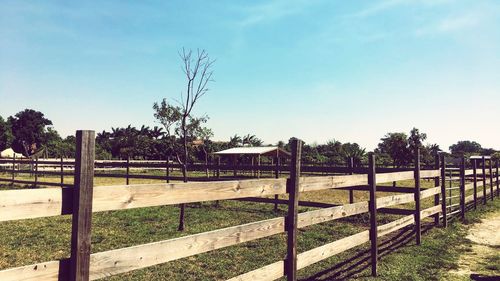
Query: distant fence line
column 83, row 198
column 214, row 171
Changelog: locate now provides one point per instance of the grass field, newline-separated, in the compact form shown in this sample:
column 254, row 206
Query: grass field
column 37, row 240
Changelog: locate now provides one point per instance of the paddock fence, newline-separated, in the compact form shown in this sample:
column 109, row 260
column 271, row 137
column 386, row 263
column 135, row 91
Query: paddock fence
column 83, row 198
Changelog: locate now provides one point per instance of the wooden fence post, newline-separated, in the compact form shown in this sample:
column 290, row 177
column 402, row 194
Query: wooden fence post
column 498, row 184
column 167, row 169
column 61, row 168
column 350, row 165
column 484, row 180
column 462, row 187
column 13, row 168
column 491, row 179
column 217, row 174
column 443, row 190
column 436, row 184
column 128, row 170
column 418, row 226
column 36, row 171
column 293, row 205
column 235, row 160
column 258, row 166
column 372, row 183
column 218, row 167
column 276, row 175
column 474, row 176
column 82, row 206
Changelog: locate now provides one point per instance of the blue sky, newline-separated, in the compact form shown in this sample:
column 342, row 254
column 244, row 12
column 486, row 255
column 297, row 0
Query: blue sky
column 316, row 69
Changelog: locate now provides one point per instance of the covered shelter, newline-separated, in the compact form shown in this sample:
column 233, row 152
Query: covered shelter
column 255, row 153
column 10, row 153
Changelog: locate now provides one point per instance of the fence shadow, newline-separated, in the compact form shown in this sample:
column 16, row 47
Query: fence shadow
column 478, row 277
column 361, row 261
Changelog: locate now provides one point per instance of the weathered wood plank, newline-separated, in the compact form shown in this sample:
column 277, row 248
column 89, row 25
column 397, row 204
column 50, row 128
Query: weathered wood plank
column 396, row 176
column 148, row 195
column 34, row 203
column 126, row 259
column 392, row 200
column 395, row 225
column 333, row 213
column 429, row 173
column 429, row 192
column 430, row 211
column 45, row 271
column 329, row 182
column 320, row 253
column 267, row 273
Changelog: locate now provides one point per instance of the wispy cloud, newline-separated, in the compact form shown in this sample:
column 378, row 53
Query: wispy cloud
column 274, row 10
column 451, row 24
column 458, row 23
column 377, row 8
column 386, row 5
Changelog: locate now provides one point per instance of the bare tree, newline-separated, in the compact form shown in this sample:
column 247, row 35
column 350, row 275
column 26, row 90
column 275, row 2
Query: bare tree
column 197, row 68
column 198, row 71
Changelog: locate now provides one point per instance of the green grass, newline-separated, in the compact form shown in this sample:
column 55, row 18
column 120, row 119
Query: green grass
column 36, row 240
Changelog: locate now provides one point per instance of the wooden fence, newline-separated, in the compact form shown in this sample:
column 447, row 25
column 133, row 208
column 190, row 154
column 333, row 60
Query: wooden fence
column 82, row 199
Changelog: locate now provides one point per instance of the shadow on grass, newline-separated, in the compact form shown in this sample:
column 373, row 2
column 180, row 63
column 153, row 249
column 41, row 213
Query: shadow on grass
column 478, row 277
column 361, row 261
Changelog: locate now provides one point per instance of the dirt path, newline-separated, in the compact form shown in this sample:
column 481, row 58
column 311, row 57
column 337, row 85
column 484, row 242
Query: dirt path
column 483, row 257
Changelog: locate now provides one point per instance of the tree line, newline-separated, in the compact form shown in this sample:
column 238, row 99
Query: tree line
column 31, row 133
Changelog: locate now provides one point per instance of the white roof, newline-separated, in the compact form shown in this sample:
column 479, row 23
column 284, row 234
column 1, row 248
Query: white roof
column 9, row 153
column 249, row 150
column 480, row 157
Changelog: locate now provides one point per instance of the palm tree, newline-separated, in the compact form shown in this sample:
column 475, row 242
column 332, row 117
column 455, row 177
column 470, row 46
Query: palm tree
column 234, row 141
column 353, row 150
column 156, row 132
column 251, row 140
column 144, row 131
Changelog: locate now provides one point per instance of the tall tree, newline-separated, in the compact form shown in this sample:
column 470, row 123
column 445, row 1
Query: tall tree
column 235, row 141
column 416, row 139
column 197, row 68
column 355, row 151
column 6, row 136
column 465, row 148
column 29, row 128
column 396, row 146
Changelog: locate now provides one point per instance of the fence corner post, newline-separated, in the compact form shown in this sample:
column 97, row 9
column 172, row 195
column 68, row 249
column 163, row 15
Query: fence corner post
column 372, row 183
column 82, row 206
column 418, row 226
column 443, row 191
column 293, row 205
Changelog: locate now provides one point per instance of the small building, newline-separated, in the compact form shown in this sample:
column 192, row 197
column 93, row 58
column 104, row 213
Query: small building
column 10, row 153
